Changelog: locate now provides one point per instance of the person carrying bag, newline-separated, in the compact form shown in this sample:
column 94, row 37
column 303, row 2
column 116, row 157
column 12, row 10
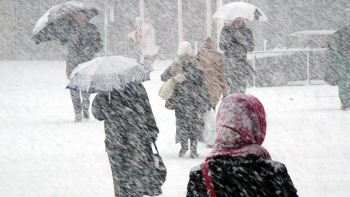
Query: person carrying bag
column 190, row 98
column 166, row 90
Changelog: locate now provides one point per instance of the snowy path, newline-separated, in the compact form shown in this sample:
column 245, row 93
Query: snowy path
column 43, row 153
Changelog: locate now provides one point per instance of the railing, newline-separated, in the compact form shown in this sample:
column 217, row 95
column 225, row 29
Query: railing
column 288, row 51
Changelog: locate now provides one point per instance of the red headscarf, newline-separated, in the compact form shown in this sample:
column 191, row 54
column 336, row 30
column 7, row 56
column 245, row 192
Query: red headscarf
column 240, row 127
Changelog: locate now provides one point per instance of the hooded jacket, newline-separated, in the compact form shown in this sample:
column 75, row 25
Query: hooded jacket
column 239, row 165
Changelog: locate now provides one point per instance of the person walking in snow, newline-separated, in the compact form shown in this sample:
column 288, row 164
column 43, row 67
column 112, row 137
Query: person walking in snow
column 340, row 58
column 236, row 40
column 190, row 98
column 84, row 41
column 214, row 71
column 130, row 130
column 143, row 36
column 238, row 164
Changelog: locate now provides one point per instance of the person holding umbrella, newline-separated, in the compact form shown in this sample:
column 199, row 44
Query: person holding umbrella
column 236, row 40
column 122, row 103
column 68, row 23
column 130, row 130
column 84, row 41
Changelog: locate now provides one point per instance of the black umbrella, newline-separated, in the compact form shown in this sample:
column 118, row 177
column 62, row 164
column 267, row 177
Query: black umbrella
column 55, row 23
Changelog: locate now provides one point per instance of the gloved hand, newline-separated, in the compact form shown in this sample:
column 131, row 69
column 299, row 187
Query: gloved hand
column 238, row 36
column 154, row 138
column 179, row 78
column 209, row 107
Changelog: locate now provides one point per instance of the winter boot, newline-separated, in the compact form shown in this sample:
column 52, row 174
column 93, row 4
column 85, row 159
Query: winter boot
column 345, row 104
column 86, row 114
column 183, row 151
column 78, row 118
column 194, row 154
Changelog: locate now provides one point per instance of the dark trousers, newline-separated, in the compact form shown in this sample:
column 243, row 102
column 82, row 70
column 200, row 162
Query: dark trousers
column 237, row 72
column 193, row 145
column 148, row 61
column 81, row 103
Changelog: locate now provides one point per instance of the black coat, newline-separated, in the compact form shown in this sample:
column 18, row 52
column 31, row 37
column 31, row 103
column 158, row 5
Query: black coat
column 190, row 99
column 243, row 176
column 233, row 48
column 237, row 69
column 130, row 128
column 83, row 43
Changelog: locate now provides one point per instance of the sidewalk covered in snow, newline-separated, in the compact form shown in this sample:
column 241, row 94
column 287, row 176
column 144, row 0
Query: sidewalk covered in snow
column 44, row 153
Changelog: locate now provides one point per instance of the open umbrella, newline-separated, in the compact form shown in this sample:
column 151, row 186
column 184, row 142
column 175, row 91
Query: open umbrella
column 108, row 74
column 234, row 10
column 54, row 24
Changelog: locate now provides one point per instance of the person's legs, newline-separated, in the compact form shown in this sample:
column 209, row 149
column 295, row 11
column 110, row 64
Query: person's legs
column 85, row 104
column 149, row 60
column 236, row 76
column 75, row 95
column 184, row 147
column 345, row 104
column 193, row 148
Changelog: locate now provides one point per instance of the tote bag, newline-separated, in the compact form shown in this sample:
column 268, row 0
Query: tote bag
column 167, row 89
column 160, row 169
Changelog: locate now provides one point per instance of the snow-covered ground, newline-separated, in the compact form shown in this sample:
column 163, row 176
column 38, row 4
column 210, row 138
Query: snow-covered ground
column 43, row 153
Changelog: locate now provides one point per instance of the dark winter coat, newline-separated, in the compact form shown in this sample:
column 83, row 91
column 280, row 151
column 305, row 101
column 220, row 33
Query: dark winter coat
column 83, row 42
column 130, row 127
column 190, row 98
column 237, row 68
column 233, row 48
column 243, row 176
column 340, row 54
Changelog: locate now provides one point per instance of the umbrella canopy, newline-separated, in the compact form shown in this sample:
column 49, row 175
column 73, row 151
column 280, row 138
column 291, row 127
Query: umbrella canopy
column 55, row 22
column 108, row 74
column 234, row 10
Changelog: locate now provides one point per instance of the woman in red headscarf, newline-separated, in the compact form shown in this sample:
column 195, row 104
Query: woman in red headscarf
column 238, row 164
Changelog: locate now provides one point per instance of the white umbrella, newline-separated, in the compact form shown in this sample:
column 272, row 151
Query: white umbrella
column 108, row 74
column 234, row 10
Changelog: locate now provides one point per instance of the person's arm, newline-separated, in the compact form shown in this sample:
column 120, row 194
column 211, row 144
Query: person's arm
column 99, row 106
column 203, row 89
column 151, row 122
column 225, row 39
column 222, row 76
column 166, row 74
column 196, row 186
column 248, row 40
column 283, row 183
column 96, row 40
